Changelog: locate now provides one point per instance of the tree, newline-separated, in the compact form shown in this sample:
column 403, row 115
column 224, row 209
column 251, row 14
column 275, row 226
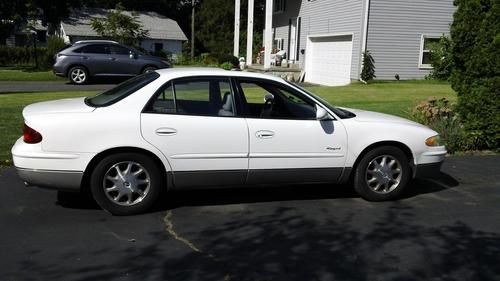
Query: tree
column 441, row 59
column 475, row 35
column 120, row 27
column 368, row 71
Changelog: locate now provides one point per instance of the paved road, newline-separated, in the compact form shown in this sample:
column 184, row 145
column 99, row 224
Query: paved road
column 52, row 86
column 443, row 230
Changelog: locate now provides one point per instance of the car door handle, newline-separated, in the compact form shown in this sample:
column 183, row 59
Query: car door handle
column 166, row 131
column 112, row 59
column 84, row 58
column 264, row 134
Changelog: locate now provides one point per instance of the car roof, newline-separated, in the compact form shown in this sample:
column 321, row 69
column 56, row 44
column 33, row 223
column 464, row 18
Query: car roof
column 173, row 73
column 95, row 41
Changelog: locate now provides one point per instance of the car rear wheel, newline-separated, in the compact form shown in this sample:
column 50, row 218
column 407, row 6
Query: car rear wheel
column 78, row 75
column 382, row 174
column 126, row 183
column 148, row 69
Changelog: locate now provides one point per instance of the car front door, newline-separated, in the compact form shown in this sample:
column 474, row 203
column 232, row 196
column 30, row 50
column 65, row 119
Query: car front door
column 121, row 62
column 192, row 121
column 95, row 57
column 287, row 143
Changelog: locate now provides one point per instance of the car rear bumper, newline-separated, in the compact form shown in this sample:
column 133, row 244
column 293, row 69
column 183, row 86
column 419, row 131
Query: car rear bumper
column 59, row 180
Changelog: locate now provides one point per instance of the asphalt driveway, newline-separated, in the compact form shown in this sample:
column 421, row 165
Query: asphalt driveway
column 446, row 229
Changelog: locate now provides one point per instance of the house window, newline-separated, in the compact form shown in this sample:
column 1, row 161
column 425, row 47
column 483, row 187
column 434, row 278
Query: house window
column 158, row 47
column 279, row 6
column 425, row 52
column 278, row 43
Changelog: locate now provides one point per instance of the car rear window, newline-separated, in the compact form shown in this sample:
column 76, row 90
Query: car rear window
column 122, row 90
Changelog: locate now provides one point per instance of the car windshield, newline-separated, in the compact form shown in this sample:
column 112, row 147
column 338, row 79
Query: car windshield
column 341, row 113
column 122, row 90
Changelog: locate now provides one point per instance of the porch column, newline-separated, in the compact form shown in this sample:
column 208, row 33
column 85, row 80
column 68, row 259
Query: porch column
column 250, row 32
column 268, row 34
column 236, row 45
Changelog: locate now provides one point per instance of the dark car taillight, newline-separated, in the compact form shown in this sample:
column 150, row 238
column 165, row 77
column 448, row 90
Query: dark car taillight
column 30, row 135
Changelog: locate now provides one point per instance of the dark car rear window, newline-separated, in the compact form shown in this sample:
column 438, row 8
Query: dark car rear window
column 122, row 90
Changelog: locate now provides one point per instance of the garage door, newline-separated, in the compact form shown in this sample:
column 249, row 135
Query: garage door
column 328, row 60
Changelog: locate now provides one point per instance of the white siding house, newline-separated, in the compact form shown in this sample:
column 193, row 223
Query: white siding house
column 163, row 33
column 326, row 38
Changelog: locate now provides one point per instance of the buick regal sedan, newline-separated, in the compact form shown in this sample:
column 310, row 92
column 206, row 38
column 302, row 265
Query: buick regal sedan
column 183, row 128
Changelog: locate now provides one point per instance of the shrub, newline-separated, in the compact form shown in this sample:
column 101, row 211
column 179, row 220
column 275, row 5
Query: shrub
column 427, row 112
column 22, row 56
column 441, row 59
column 368, row 71
column 54, row 45
column 439, row 115
column 475, row 46
column 227, row 65
column 216, row 59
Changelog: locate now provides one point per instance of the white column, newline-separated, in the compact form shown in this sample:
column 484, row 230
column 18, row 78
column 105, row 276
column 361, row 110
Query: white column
column 250, row 32
column 236, row 50
column 268, row 34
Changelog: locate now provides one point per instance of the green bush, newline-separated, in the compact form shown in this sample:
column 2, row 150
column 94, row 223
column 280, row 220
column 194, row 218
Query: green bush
column 217, row 59
column 54, row 45
column 227, row 65
column 15, row 56
column 368, row 72
column 441, row 59
column 475, row 46
column 440, row 115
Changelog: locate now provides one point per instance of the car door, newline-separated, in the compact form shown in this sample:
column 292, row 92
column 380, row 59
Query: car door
column 192, row 121
column 287, row 143
column 95, row 57
column 121, row 63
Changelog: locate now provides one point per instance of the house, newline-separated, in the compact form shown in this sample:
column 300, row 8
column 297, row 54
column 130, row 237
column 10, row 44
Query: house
column 326, row 38
column 22, row 35
column 163, row 33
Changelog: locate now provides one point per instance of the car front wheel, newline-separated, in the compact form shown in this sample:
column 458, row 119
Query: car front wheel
column 78, row 75
column 148, row 69
column 382, row 174
column 126, row 183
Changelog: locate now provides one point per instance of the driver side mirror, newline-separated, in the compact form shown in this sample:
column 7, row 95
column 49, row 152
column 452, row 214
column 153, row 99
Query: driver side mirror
column 322, row 114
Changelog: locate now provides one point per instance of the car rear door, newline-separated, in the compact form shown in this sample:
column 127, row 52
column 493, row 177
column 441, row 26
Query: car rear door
column 192, row 121
column 287, row 143
column 95, row 57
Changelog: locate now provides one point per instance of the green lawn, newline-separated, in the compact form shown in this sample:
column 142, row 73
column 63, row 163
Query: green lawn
column 393, row 98
column 12, row 74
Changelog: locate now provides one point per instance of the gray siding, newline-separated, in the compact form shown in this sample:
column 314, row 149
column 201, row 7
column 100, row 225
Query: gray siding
column 395, row 30
column 323, row 17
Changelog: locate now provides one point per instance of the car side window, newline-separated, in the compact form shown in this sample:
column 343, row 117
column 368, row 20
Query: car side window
column 118, row 50
column 94, row 49
column 273, row 101
column 194, row 96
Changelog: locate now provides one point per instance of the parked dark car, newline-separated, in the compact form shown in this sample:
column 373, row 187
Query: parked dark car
column 85, row 59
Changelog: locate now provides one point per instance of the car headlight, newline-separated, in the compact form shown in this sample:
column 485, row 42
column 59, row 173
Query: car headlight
column 433, row 141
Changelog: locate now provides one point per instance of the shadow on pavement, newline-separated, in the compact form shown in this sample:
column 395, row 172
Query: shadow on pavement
column 240, row 195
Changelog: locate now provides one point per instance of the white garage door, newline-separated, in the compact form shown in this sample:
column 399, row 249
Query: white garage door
column 328, row 60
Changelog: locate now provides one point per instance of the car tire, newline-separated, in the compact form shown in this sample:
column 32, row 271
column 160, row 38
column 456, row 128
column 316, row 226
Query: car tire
column 126, row 183
column 78, row 75
column 148, row 69
column 382, row 174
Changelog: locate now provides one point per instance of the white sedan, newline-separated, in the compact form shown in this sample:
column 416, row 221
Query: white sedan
column 182, row 128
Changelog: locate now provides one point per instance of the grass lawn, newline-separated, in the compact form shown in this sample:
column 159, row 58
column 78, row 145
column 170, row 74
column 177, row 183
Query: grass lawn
column 14, row 74
column 394, row 98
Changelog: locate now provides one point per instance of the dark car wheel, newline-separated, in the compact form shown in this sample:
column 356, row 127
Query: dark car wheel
column 148, row 69
column 78, row 75
column 126, row 183
column 382, row 174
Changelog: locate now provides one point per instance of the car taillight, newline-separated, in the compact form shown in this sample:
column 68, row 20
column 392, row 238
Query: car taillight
column 30, row 135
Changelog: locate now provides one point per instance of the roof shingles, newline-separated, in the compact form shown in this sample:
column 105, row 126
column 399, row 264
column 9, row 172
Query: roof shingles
column 158, row 26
